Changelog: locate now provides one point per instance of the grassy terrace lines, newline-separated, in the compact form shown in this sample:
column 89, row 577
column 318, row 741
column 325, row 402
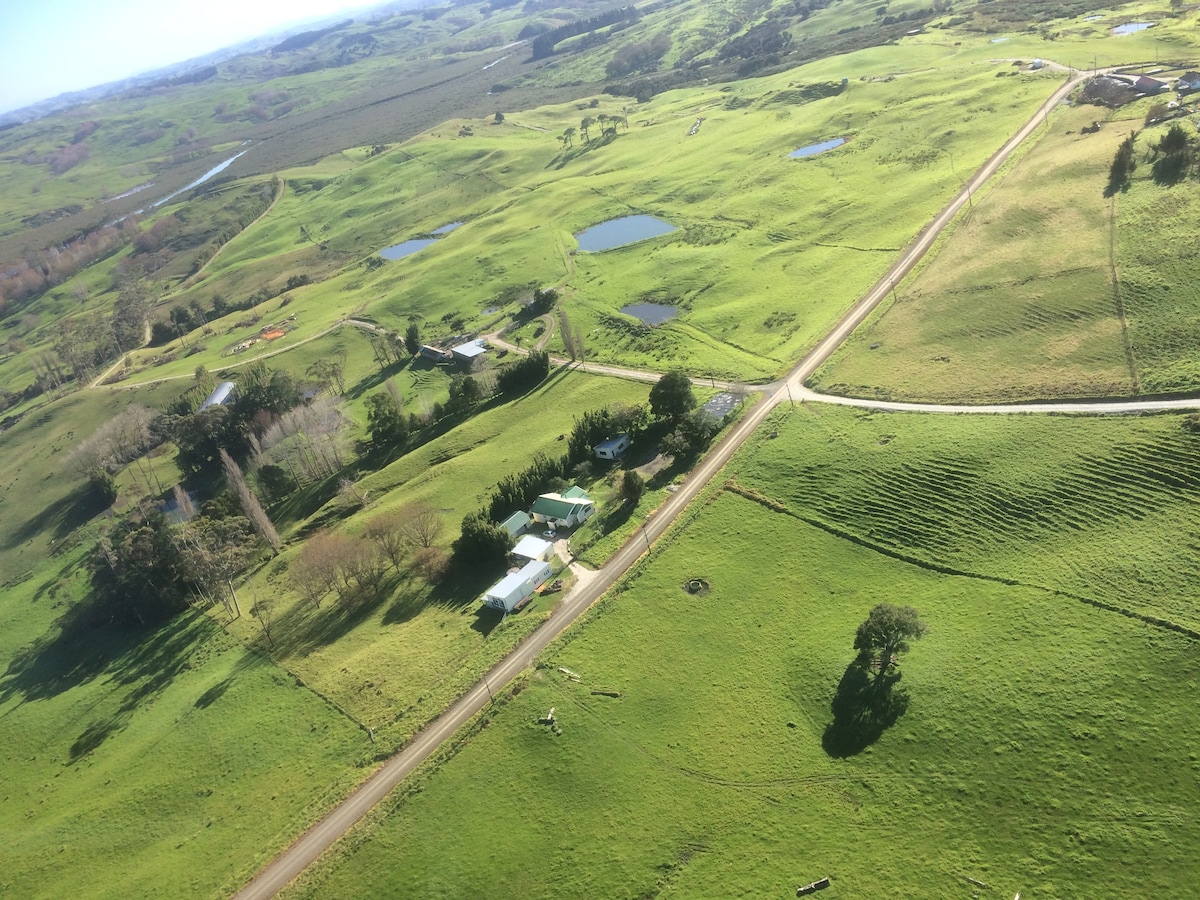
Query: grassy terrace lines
column 1100, row 509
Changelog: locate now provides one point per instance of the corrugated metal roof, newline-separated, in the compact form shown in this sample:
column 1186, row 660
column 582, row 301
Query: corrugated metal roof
column 531, row 547
column 218, row 396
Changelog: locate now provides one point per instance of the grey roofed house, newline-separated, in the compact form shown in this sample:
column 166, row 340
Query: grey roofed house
column 221, row 395
column 530, row 547
column 435, row 354
column 1144, row 84
column 1188, row 82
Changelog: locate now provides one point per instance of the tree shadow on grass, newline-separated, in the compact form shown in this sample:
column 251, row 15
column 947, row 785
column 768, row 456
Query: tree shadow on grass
column 59, row 518
column 486, row 620
column 616, row 518
column 95, row 735
column 863, row 709
column 74, row 653
column 303, row 628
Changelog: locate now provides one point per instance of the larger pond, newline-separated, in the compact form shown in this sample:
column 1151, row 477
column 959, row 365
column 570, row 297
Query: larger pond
column 814, row 149
column 408, row 248
column 619, row 232
column 1132, row 27
column 651, row 313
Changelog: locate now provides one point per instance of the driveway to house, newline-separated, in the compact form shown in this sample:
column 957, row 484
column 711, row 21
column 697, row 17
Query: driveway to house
column 296, row 858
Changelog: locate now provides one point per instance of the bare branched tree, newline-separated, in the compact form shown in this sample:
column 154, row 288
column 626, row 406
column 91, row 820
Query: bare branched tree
column 384, row 530
column 309, row 441
column 421, row 524
column 264, row 611
column 315, row 572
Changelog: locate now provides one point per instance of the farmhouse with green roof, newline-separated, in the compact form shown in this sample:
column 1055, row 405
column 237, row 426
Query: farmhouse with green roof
column 564, row 510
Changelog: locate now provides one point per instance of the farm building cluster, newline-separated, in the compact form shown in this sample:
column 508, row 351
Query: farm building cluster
column 532, row 554
column 464, row 354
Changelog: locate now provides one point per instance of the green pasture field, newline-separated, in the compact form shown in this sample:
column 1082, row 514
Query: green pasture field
column 182, row 760
column 758, row 266
column 1019, row 301
column 1157, row 270
column 195, row 735
column 1102, row 509
column 1044, row 746
column 1045, row 288
column 137, row 768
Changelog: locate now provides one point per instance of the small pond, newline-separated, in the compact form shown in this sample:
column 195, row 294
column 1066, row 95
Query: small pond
column 651, row 313
column 619, row 232
column 814, row 149
column 1092, row 18
column 408, row 248
column 1132, row 27
column 999, row 40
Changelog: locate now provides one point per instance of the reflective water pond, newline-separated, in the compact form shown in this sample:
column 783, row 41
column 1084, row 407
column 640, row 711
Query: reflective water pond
column 1132, row 27
column 651, row 313
column 814, row 149
column 619, row 232
column 408, row 248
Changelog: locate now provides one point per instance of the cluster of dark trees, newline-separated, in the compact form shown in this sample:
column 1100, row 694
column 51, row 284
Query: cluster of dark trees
column 391, row 429
column 144, row 569
column 639, row 56
column 1172, row 156
column 263, row 394
column 1172, row 160
column 544, row 44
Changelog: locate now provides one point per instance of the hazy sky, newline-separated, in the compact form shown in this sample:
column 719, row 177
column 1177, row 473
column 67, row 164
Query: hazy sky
column 51, row 46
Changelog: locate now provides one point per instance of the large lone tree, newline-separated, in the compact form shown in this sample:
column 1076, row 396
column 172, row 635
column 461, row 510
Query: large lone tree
column 886, row 633
column 671, row 398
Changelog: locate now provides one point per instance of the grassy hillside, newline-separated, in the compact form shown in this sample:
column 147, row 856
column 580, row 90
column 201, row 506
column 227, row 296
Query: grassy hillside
column 177, row 760
column 768, row 250
column 1046, row 287
column 1019, row 300
column 136, row 766
column 1042, row 744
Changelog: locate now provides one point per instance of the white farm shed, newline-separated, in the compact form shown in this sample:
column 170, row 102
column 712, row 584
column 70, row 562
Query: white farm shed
column 219, row 397
column 613, row 447
column 530, row 547
column 468, row 352
column 510, row 590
